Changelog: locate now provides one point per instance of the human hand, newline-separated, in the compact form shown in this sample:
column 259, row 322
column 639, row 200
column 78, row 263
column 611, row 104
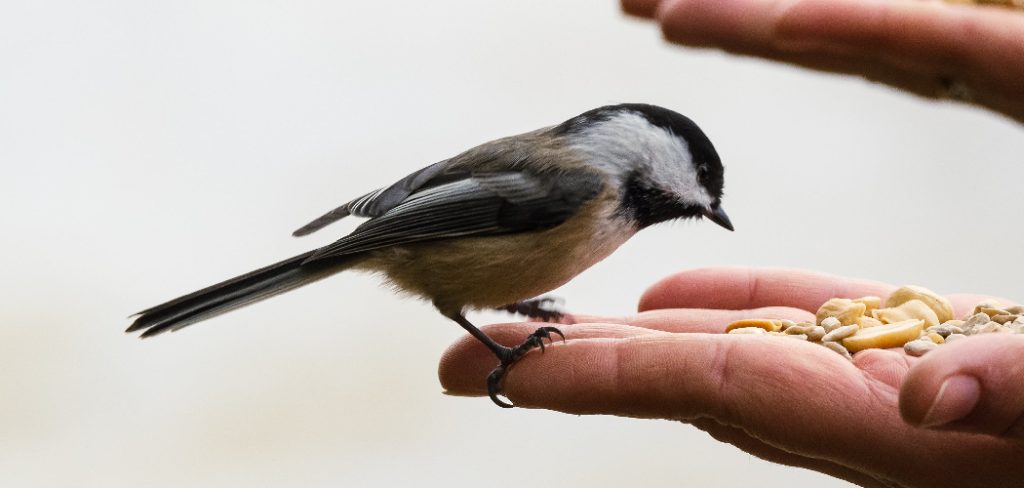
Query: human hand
column 784, row 400
column 969, row 53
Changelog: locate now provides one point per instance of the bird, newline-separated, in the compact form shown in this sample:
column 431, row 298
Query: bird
column 500, row 224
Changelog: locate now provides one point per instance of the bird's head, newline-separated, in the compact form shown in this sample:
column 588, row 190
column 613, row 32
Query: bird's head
column 665, row 164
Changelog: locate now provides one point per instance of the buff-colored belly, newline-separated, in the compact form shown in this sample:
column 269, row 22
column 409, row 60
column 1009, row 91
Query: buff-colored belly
column 488, row 272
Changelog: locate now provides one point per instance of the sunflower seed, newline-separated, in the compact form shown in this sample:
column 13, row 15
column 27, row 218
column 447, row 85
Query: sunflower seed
column 919, row 347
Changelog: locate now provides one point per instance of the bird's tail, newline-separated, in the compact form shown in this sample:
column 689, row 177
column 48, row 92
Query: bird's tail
column 234, row 293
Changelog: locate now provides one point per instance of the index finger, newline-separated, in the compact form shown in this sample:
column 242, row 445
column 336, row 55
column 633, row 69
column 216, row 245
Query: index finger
column 744, row 288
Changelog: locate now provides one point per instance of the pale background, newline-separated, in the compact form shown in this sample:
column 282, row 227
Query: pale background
column 150, row 149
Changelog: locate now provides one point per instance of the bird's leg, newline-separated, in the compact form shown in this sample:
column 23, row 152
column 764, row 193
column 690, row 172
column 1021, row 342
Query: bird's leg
column 544, row 308
column 507, row 356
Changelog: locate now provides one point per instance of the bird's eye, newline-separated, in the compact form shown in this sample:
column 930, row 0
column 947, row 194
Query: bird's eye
column 702, row 174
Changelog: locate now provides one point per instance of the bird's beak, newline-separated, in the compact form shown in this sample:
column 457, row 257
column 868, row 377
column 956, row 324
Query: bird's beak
column 718, row 216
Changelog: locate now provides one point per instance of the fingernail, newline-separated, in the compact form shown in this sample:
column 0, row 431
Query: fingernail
column 956, row 398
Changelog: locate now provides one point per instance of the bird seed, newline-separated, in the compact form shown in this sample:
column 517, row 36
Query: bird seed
column 914, row 318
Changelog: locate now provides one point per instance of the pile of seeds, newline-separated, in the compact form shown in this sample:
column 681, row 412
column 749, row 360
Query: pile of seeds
column 913, row 317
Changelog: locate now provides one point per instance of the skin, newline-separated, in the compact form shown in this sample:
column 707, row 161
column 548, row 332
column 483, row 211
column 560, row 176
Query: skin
column 784, row 400
column 915, row 45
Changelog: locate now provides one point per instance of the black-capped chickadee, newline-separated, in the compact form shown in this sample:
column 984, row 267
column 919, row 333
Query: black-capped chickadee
column 501, row 223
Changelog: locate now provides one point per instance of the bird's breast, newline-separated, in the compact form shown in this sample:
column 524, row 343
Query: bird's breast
column 488, row 272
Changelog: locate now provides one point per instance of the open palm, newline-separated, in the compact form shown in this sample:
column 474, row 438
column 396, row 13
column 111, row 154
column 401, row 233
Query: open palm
column 784, row 400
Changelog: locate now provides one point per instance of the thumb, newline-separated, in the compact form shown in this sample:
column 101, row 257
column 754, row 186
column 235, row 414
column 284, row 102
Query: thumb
column 972, row 385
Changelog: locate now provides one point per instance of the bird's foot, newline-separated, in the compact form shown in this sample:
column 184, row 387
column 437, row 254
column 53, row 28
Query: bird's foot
column 510, row 355
column 545, row 309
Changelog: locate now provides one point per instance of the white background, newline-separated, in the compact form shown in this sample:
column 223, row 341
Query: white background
column 151, row 149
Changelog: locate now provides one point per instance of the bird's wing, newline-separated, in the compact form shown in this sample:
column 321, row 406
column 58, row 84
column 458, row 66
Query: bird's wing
column 378, row 202
column 481, row 204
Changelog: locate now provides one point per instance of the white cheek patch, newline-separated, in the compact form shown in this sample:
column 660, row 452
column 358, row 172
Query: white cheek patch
column 627, row 143
column 672, row 167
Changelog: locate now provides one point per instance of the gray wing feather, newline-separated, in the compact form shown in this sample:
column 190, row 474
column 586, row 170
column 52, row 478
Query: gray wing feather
column 378, row 202
column 479, row 205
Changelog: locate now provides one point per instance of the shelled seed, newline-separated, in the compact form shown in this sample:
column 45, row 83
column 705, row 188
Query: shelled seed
column 766, row 324
column 748, row 330
column 919, row 347
column 954, row 337
column 830, row 324
column 945, row 330
column 841, row 333
column 815, row 333
column 890, row 335
column 837, row 347
column 844, row 309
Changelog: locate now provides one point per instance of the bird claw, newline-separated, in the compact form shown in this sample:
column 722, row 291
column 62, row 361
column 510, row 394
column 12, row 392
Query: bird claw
column 495, row 379
column 545, row 333
column 494, row 387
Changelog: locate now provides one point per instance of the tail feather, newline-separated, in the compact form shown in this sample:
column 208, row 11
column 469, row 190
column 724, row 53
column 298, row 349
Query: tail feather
column 232, row 294
column 323, row 221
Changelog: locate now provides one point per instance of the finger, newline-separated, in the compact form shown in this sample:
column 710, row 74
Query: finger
column 693, row 375
column 640, row 8
column 930, row 37
column 934, row 83
column 607, row 357
column 784, row 392
column 972, row 385
column 727, row 288
column 921, row 46
column 739, row 438
column 739, row 25
column 934, row 86
column 698, row 319
column 744, row 288
column 468, row 361
column 886, row 366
